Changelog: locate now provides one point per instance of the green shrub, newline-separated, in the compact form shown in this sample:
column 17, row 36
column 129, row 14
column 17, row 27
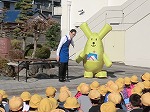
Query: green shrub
column 3, row 63
column 16, row 44
column 43, row 53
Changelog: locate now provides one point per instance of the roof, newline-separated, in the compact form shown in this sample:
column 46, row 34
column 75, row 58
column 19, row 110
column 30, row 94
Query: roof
column 11, row 15
column 10, row 0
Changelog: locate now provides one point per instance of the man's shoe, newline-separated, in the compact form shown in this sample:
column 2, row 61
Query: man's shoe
column 62, row 80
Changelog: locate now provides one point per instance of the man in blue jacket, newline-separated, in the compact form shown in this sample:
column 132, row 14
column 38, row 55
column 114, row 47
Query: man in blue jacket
column 63, row 53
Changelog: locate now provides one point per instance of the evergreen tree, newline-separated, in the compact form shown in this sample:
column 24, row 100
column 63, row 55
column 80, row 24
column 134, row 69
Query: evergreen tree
column 25, row 7
column 2, row 16
column 53, row 35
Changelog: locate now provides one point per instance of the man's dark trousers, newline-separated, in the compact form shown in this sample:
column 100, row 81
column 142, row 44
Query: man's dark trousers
column 63, row 68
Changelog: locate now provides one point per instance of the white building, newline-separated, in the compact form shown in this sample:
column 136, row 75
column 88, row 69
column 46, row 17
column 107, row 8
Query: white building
column 129, row 40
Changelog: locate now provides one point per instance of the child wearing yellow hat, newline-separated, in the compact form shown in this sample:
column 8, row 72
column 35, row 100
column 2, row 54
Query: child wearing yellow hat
column 26, row 96
column 94, row 96
column 146, row 86
column 127, row 82
column 145, row 98
column 78, row 94
column 84, row 100
column 1, row 105
column 45, row 105
column 108, row 107
column 5, row 100
column 63, row 95
column 134, row 81
column 50, row 92
column 15, row 104
column 71, row 104
column 125, row 91
column 145, row 77
column 34, row 102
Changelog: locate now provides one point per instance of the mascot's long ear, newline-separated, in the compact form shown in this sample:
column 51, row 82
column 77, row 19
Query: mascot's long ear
column 106, row 29
column 84, row 27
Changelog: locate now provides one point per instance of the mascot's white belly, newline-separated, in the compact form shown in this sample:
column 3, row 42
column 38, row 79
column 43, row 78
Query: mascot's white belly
column 93, row 62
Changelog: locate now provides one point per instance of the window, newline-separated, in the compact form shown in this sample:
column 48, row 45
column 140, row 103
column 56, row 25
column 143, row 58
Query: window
column 7, row 4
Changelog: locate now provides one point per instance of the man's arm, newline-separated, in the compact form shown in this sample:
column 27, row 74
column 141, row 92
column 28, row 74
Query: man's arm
column 62, row 41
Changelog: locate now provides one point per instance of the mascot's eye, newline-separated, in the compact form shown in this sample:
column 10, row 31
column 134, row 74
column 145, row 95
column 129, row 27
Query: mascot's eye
column 96, row 39
column 91, row 38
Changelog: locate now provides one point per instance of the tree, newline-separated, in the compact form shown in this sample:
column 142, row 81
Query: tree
column 53, row 35
column 2, row 16
column 26, row 12
column 38, row 26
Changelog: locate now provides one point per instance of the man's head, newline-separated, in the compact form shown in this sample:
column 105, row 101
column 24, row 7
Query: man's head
column 72, row 33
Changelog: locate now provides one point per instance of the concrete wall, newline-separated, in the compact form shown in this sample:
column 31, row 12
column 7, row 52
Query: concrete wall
column 137, row 44
column 89, row 7
column 116, row 2
column 71, row 15
column 65, row 23
column 114, row 46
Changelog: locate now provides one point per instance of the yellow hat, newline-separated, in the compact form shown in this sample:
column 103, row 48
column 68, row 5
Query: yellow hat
column 136, row 90
column 78, row 88
column 102, row 90
column 146, row 76
column 71, row 102
column 45, row 105
column 63, row 96
column 1, row 109
column 114, row 97
column 140, row 84
column 1, row 98
column 15, row 103
column 108, row 107
column 94, row 85
column 35, row 101
column 50, row 91
column 54, row 103
column 109, row 83
column 121, row 80
column 146, row 84
column 26, row 96
column 127, row 80
column 94, row 94
column 57, row 110
column 3, row 93
column 65, row 88
column 120, row 85
column 134, row 79
column 113, row 88
column 85, row 89
column 145, row 98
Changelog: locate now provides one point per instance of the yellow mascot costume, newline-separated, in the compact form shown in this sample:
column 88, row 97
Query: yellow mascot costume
column 93, row 55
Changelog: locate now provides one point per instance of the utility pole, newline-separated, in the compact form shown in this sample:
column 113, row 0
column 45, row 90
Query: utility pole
column 52, row 8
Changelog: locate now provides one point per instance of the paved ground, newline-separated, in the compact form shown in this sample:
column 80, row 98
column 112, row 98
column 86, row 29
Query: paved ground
column 39, row 84
column 50, row 78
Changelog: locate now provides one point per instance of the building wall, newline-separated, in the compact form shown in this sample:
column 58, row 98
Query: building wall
column 137, row 44
column 1, row 4
column 89, row 7
column 71, row 16
column 114, row 45
column 116, row 2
